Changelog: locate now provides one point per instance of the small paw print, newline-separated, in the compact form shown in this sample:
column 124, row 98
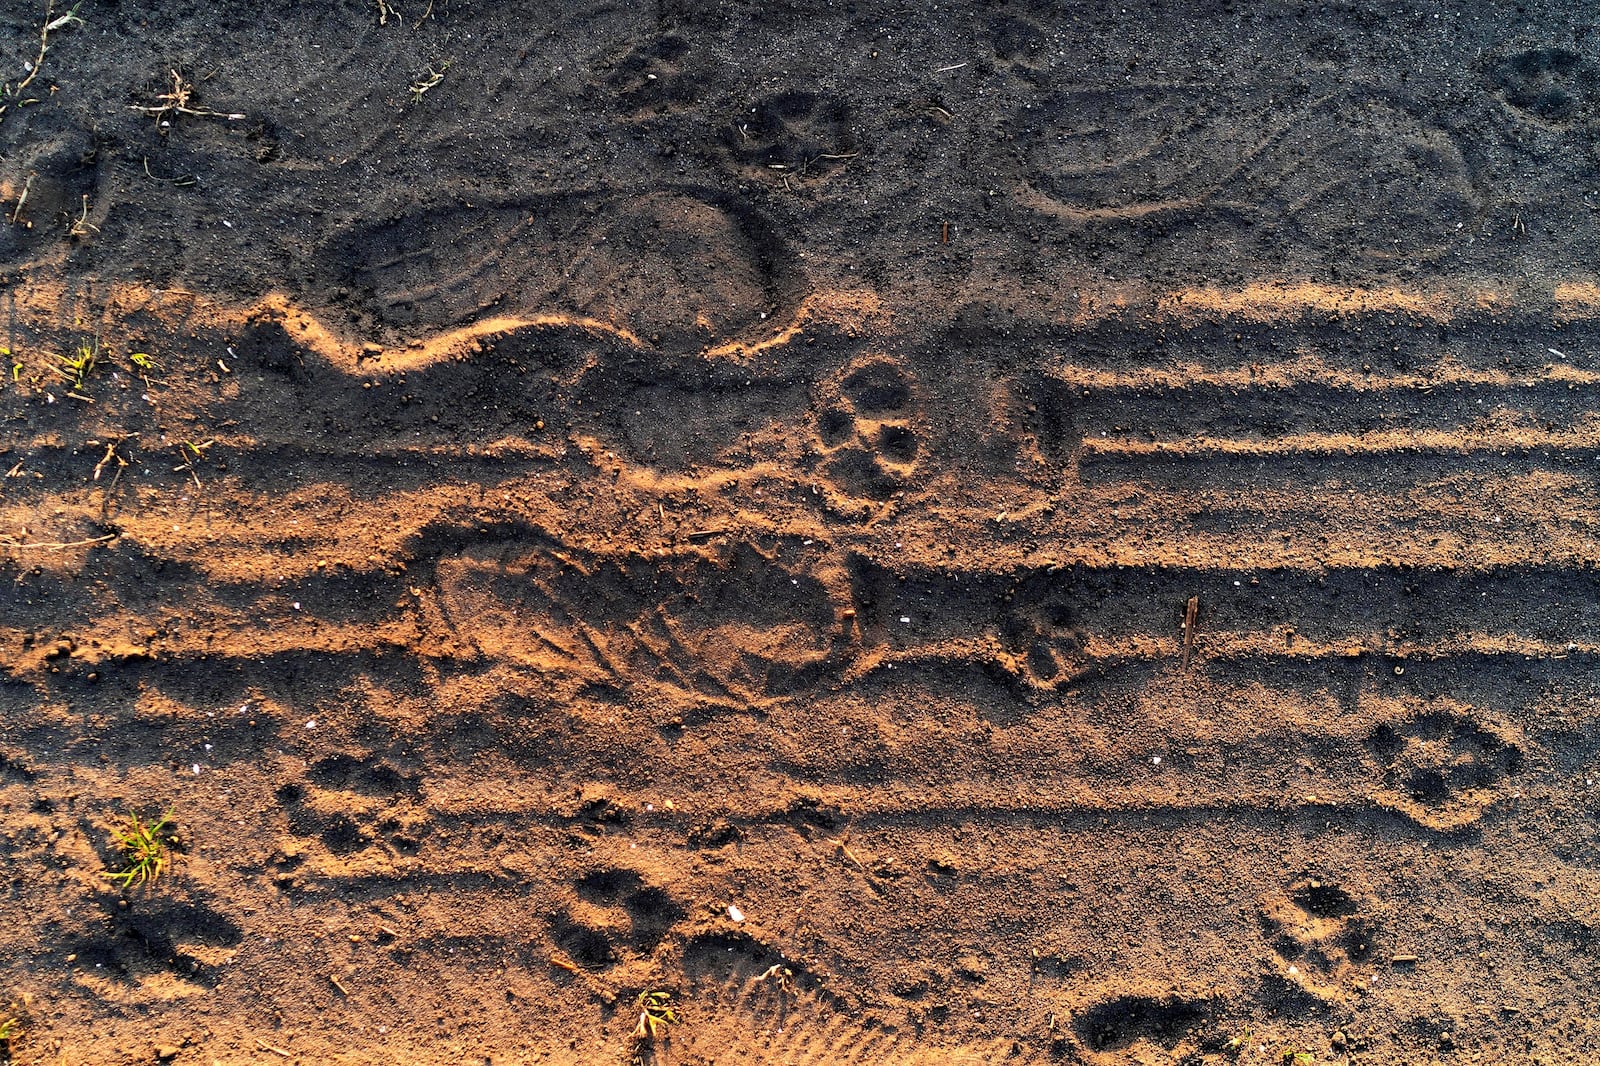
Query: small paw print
column 867, row 432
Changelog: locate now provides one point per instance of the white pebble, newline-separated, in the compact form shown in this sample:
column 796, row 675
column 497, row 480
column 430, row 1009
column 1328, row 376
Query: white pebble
column 735, row 913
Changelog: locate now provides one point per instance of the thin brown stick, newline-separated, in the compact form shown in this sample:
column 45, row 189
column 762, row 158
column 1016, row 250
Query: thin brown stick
column 111, row 453
column 176, row 102
column 45, row 29
column 22, row 198
column 55, row 546
column 1191, row 614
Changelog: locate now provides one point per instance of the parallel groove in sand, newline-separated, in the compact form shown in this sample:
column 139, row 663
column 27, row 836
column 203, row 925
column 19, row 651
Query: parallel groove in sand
column 603, row 640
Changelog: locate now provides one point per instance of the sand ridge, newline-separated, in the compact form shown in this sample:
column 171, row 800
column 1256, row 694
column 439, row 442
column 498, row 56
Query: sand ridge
column 988, row 535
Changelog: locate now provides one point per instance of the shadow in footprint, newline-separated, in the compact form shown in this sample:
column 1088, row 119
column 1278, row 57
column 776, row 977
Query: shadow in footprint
column 1119, row 1022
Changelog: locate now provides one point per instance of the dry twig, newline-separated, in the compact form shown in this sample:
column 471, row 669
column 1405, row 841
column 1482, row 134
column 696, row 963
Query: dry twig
column 22, row 198
column 81, row 227
column 190, row 451
column 425, row 82
column 54, row 546
column 1191, row 614
column 49, row 26
column 177, row 101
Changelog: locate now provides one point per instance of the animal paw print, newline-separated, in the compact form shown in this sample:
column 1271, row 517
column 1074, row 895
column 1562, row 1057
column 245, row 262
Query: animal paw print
column 1017, row 41
column 652, row 78
column 157, row 948
column 1543, row 83
column 351, row 803
column 1042, row 629
column 1319, row 932
column 795, row 134
column 51, row 192
column 1163, row 1021
column 616, row 915
column 1443, row 768
column 871, row 445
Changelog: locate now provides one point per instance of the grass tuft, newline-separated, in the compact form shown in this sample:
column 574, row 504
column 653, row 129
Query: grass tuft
column 145, row 848
column 78, row 368
column 656, row 1013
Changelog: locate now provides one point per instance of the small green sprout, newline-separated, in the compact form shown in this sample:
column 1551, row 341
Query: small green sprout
column 63, row 21
column 10, row 1032
column 655, row 1014
column 145, row 850
column 1238, row 1045
column 1298, row 1058
column 143, row 365
column 77, row 369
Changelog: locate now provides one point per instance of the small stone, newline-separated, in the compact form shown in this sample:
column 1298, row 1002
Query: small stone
column 167, row 1052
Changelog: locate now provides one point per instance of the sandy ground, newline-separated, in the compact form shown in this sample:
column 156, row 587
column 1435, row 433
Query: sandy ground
column 993, row 533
